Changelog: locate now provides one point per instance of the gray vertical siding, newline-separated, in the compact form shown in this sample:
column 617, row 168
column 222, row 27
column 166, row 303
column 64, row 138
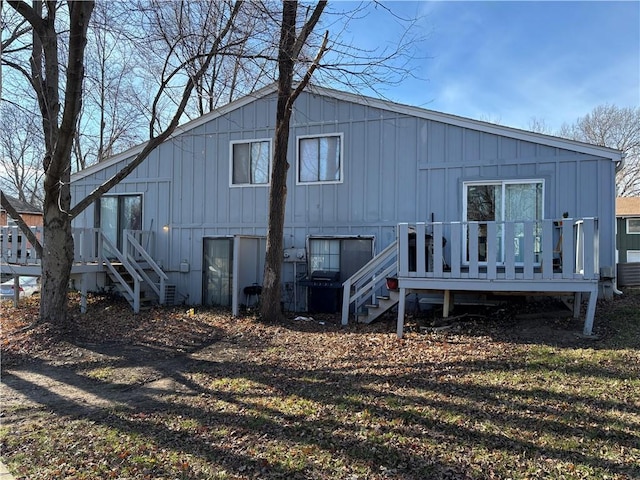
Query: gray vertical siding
column 397, row 168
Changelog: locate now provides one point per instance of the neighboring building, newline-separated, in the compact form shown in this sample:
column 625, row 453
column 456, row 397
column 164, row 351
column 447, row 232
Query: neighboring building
column 628, row 229
column 359, row 167
column 628, row 240
column 30, row 214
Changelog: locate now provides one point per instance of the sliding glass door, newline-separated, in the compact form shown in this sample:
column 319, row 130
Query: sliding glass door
column 116, row 213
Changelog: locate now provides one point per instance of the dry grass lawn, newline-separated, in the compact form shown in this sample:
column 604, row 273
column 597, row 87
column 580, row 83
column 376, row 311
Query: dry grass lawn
column 169, row 395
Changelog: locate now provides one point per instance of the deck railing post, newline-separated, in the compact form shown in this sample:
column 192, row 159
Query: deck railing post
column 456, row 248
column 529, row 250
column 420, row 245
column 438, row 251
column 403, row 249
column 473, row 250
column 492, row 249
column 569, row 267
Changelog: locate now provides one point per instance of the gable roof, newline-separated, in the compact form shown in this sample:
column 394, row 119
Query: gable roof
column 22, row 207
column 533, row 137
column 628, row 207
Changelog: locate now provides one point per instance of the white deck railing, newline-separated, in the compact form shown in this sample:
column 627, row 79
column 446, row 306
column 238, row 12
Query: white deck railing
column 16, row 249
column 565, row 249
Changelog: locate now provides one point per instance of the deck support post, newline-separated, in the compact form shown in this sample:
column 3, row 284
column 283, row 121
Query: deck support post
column 577, row 303
column 16, row 290
column 401, row 307
column 83, row 293
column 591, row 311
column 446, row 303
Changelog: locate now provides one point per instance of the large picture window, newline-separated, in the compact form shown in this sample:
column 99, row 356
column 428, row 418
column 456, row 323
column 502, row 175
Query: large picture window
column 250, row 162
column 320, row 159
column 503, row 201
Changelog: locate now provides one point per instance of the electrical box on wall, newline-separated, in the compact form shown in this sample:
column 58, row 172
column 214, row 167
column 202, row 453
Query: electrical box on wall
column 184, row 267
column 294, row 254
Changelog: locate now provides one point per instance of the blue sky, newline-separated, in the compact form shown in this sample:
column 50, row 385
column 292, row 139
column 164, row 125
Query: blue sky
column 511, row 61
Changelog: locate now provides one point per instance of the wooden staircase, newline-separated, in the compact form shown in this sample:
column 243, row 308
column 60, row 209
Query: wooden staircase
column 365, row 293
column 135, row 275
column 383, row 303
column 124, row 283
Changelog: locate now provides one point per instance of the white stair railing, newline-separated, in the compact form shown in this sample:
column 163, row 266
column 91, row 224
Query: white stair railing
column 138, row 250
column 137, row 279
column 362, row 286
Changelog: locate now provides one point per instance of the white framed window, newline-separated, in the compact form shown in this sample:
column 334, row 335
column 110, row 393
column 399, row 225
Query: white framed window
column 633, row 256
column 320, row 159
column 250, row 162
column 500, row 201
column 633, row 226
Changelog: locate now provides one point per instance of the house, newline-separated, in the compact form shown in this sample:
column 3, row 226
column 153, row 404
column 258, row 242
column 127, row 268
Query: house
column 628, row 240
column 376, row 189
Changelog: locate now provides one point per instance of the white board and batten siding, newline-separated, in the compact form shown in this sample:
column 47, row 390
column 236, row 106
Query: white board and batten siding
column 399, row 164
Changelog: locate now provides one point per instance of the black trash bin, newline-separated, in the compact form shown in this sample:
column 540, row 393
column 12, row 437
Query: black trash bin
column 325, row 291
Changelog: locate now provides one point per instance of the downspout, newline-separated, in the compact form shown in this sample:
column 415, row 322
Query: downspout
column 614, row 284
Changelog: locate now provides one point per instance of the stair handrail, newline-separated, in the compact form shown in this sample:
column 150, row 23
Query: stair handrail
column 137, row 279
column 159, row 289
column 368, row 279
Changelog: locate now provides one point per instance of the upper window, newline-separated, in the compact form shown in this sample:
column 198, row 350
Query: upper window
column 514, row 201
column 250, row 162
column 633, row 225
column 320, row 159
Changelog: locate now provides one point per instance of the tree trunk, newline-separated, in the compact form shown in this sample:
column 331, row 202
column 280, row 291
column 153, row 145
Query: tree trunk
column 57, row 242
column 271, row 295
column 290, row 46
column 58, row 258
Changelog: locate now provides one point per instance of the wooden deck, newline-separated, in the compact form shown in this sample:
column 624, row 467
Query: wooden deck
column 554, row 257
column 19, row 258
column 543, row 257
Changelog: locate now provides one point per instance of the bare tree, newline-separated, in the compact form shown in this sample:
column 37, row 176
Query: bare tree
column 245, row 65
column 613, row 127
column 291, row 43
column 341, row 63
column 110, row 119
column 21, row 149
column 539, row 125
column 60, row 123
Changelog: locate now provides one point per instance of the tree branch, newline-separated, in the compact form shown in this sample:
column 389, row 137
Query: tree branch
column 307, row 76
column 154, row 142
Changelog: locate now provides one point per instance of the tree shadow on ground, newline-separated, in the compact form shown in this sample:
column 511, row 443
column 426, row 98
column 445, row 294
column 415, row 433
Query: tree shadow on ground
column 254, row 417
